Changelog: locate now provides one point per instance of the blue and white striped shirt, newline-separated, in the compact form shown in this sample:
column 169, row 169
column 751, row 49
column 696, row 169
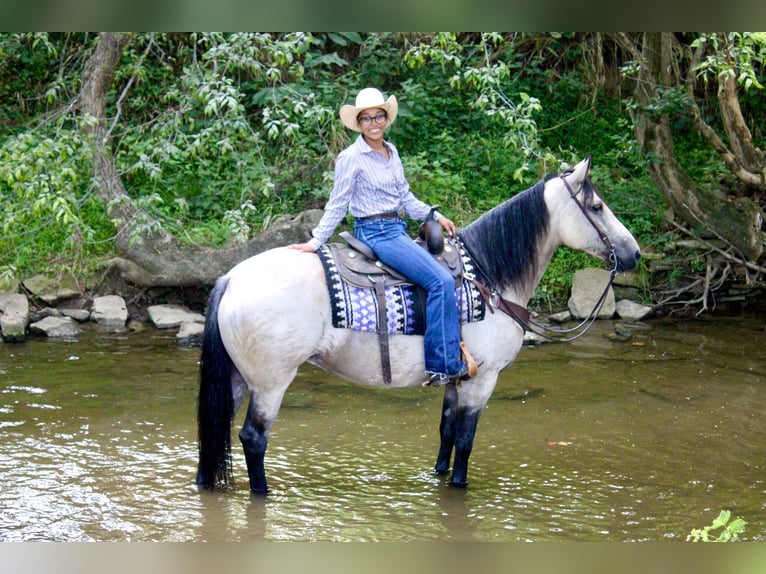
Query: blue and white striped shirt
column 366, row 183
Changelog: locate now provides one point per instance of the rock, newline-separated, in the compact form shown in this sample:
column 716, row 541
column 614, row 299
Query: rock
column 56, row 327
column 310, row 216
column 110, row 311
column 51, row 290
column 137, row 326
column 14, row 317
column 531, row 338
column 619, row 336
column 632, row 311
column 48, row 312
column 587, row 287
column 79, row 315
column 560, row 317
column 190, row 334
column 172, row 316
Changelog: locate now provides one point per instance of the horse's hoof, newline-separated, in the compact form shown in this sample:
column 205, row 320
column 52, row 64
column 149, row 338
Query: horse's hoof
column 459, row 483
column 441, row 471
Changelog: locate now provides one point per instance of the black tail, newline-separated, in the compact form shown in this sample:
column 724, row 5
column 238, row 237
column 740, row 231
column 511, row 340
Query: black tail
column 216, row 403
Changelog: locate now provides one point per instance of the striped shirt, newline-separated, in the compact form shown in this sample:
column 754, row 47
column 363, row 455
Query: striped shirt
column 366, row 183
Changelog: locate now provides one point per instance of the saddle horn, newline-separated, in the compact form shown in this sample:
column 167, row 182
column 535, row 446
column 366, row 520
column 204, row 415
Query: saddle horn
column 431, row 233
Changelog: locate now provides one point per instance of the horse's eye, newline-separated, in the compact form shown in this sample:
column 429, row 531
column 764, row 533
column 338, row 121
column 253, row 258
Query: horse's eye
column 597, row 207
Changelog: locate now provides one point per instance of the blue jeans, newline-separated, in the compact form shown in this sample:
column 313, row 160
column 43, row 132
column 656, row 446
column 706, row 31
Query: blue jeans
column 389, row 240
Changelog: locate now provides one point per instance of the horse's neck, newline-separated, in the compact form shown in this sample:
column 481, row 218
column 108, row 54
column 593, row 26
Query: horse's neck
column 522, row 291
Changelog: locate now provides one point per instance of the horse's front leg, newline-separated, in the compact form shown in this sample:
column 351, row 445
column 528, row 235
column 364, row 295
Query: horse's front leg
column 447, row 429
column 255, row 438
column 465, row 429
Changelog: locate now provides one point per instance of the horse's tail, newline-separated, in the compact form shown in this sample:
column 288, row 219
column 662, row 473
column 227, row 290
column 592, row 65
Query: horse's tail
column 215, row 408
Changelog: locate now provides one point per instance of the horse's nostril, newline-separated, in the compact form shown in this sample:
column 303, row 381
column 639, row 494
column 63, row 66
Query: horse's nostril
column 638, row 255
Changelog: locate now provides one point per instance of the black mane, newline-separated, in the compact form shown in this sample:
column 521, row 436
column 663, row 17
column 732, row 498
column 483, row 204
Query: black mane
column 503, row 242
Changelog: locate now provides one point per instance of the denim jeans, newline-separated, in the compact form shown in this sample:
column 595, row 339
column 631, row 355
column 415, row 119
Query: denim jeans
column 390, row 242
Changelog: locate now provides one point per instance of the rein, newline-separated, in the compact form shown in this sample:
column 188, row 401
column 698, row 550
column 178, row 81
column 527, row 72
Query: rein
column 521, row 314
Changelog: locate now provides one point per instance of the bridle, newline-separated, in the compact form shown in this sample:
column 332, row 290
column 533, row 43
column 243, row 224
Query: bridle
column 601, row 235
column 521, row 315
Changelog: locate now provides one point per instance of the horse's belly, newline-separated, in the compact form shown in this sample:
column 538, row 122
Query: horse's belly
column 356, row 356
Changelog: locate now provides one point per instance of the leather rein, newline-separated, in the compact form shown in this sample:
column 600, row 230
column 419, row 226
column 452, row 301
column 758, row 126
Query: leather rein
column 521, row 314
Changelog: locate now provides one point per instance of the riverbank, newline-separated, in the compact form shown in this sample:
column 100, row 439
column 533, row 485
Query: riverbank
column 59, row 309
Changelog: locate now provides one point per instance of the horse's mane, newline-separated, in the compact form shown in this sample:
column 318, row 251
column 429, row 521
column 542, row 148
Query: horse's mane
column 504, row 241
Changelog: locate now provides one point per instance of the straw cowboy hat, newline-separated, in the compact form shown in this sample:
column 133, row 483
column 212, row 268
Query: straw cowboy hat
column 366, row 99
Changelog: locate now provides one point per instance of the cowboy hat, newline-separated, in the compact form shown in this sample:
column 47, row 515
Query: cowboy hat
column 366, row 99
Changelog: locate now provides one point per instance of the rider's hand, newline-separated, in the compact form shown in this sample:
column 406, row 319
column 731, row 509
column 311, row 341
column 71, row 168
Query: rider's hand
column 305, row 247
column 447, row 225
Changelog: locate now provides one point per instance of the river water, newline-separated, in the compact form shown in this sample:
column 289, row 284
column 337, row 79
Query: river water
column 641, row 439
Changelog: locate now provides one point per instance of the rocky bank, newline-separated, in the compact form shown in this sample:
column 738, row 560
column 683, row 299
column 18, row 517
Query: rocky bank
column 58, row 307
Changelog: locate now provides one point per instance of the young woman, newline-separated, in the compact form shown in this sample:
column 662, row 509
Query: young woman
column 370, row 184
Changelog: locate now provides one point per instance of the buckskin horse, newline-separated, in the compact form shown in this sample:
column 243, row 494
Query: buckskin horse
column 272, row 312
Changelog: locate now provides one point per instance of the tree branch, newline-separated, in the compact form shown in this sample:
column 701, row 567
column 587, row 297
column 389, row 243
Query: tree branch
column 726, row 254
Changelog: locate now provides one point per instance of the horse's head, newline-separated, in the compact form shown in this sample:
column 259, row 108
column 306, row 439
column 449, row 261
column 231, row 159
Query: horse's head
column 585, row 222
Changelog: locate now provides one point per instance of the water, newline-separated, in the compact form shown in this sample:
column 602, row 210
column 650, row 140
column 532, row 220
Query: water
column 596, row 440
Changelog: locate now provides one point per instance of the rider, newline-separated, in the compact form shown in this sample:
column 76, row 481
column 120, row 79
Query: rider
column 370, row 184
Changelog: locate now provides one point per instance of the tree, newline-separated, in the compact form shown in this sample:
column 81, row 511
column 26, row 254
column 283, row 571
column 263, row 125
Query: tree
column 173, row 151
column 672, row 74
column 154, row 258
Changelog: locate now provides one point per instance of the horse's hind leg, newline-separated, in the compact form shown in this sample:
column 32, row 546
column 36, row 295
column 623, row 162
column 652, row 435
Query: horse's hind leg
column 254, row 436
column 447, row 430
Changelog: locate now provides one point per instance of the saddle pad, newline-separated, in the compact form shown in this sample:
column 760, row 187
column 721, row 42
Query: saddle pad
column 356, row 307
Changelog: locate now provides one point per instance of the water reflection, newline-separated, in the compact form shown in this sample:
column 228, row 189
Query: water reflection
column 596, row 440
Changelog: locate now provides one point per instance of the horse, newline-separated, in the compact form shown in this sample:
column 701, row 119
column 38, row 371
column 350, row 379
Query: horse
column 271, row 313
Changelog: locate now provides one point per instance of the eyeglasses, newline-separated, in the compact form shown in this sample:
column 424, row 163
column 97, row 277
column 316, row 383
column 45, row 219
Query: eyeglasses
column 367, row 120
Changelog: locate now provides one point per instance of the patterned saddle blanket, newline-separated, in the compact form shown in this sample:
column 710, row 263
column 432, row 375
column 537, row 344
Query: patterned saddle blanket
column 355, row 304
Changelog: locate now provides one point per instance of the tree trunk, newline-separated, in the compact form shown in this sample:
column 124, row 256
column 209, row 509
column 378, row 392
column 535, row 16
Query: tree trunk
column 738, row 134
column 156, row 258
column 737, row 221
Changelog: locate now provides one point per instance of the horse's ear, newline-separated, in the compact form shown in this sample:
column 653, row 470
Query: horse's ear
column 579, row 173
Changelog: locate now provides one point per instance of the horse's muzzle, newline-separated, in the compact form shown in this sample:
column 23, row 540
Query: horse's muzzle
column 628, row 262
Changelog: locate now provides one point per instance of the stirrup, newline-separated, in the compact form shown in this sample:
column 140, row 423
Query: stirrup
column 471, row 367
column 439, row 380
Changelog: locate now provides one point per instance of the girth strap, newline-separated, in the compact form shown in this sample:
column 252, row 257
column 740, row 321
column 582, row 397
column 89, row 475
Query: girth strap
column 385, row 354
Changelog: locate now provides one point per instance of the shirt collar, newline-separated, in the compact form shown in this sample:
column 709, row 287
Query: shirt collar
column 362, row 143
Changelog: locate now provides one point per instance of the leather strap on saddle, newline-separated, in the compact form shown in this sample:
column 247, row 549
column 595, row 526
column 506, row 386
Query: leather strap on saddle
column 385, row 353
column 360, row 246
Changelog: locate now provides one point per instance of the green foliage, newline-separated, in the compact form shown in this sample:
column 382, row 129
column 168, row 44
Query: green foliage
column 735, row 54
column 216, row 134
column 554, row 288
column 46, row 200
column 727, row 530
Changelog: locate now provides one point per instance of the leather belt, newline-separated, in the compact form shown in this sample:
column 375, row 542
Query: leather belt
column 380, row 216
